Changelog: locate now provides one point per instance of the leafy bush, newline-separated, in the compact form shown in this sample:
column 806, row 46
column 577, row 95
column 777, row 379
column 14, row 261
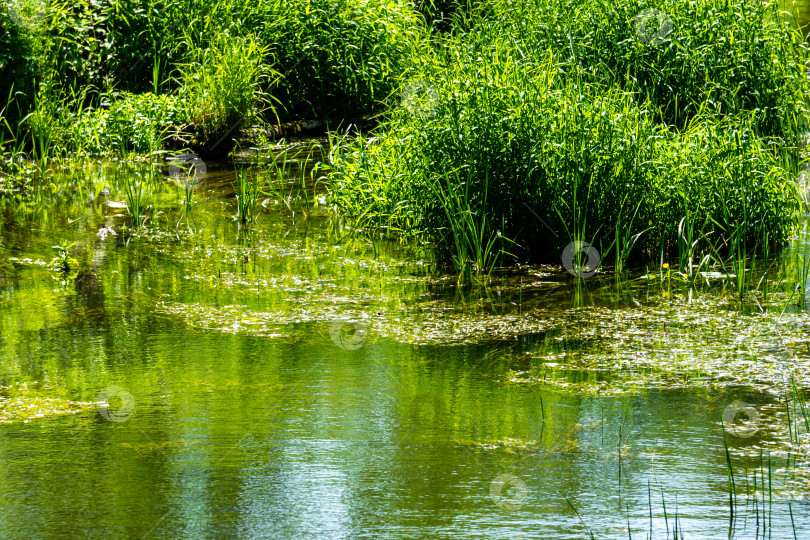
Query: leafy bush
column 134, row 123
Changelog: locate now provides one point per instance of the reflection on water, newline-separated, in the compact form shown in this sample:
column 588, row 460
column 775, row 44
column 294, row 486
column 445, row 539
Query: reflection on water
column 799, row 11
column 286, row 382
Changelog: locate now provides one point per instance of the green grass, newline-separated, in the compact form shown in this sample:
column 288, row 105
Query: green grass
column 721, row 57
column 567, row 151
column 221, row 88
column 138, row 200
column 290, row 174
column 478, row 246
column 247, row 195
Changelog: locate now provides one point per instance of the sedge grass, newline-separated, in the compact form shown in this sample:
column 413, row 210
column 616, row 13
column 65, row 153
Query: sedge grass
column 247, row 195
column 625, row 238
column 534, row 134
column 222, row 86
column 138, row 200
column 478, row 247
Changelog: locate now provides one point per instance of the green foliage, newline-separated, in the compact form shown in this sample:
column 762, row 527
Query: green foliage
column 476, row 246
column 228, row 60
column 134, row 123
column 561, row 156
column 342, row 58
column 440, row 15
column 19, row 49
column 79, row 45
column 338, row 57
column 221, row 86
column 713, row 55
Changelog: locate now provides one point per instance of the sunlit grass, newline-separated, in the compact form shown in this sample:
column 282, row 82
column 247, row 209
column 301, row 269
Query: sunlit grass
column 247, row 194
column 563, row 160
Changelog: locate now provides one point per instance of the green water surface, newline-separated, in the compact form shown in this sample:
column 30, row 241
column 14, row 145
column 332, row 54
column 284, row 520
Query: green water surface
column 291, row 379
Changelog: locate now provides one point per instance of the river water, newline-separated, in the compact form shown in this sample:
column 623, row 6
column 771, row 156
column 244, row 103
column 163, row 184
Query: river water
column 290, row 379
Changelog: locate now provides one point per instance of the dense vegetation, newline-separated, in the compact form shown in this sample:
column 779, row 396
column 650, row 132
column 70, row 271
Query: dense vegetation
column 508, row 131
column 89, row 73
column 545, row 124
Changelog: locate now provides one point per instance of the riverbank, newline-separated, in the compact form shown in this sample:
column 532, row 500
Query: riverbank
column 629, row 134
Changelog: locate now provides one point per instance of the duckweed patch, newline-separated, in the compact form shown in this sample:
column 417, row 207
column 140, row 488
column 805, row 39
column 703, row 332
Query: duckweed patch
column 25, row 402
column 418, row 327
column 526, row 450
column 663, row 342
column 671, row 345
column 149, row 449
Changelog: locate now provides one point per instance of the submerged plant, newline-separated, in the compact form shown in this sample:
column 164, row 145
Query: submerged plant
column 291, row 174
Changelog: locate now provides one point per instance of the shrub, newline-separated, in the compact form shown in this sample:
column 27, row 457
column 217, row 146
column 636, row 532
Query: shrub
column 134, row 123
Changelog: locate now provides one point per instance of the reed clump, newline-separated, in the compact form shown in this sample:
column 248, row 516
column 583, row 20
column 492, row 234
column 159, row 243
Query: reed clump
column 556, row 136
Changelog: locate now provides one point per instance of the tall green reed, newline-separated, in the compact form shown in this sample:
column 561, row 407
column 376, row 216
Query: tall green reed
column 540, row 132
column 222, row 86
column 138, row 199
column 625, row 238
column 478, row 245
column 293, row 175
column 247, row 194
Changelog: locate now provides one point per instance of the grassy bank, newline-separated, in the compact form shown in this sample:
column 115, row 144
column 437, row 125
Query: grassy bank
column 87, row 77
column 592, row 132
column 535, row 127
